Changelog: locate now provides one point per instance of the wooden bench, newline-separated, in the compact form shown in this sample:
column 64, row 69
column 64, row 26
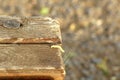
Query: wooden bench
column 25, row 49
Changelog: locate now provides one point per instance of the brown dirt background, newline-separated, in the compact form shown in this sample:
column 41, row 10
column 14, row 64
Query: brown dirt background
column 90, row 31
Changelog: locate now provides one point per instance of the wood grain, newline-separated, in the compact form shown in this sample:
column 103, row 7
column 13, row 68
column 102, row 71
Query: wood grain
column 21, row 60
column 29, row 30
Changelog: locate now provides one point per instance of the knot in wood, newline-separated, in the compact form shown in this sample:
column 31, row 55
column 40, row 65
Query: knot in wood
column 11, row 24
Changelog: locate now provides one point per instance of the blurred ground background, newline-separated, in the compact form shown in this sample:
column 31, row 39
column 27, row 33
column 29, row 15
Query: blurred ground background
column 90, row 30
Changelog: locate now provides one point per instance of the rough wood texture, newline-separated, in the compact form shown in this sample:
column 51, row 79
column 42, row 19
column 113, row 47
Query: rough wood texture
column 29, row 30
column 30, row 60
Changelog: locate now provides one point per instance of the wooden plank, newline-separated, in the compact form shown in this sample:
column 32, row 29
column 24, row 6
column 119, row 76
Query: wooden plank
column 29, row 30
column 27, row 60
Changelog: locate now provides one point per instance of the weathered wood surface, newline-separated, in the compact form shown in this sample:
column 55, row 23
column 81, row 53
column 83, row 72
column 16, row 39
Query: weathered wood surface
column 29, row 30
column 28, row 59
column 20, row 60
